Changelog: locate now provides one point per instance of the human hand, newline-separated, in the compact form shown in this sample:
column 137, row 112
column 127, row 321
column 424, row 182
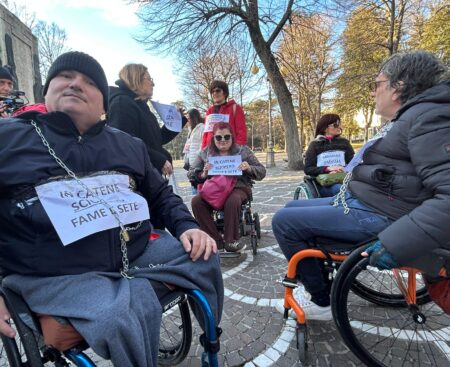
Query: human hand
column 206, row 168
column 198, row 243
column 3, row 112
column 335, row 169
column 167, row 169
column 244, row 166
column 379, row 256
column 5, row 328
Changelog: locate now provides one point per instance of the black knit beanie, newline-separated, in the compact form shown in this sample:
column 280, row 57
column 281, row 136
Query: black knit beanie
column 79, row 61
column 5, row 74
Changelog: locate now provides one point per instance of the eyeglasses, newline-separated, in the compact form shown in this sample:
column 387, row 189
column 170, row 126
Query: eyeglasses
column 336, row 124
column 225, row 137
column 149, row 78
column 217, row 90
column 373, row 86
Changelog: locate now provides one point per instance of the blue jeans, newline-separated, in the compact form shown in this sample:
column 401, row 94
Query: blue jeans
column 297, row 225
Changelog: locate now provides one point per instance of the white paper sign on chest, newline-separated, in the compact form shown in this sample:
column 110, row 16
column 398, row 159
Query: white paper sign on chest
column 77, row 212
column 226, row 165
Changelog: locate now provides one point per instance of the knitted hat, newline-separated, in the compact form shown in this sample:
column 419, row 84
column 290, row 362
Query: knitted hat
column 325, row 120
column 83, row 63
column 5, row 74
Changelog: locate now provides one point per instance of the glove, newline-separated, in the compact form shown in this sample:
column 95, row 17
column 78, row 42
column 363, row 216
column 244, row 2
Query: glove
column 380, row 257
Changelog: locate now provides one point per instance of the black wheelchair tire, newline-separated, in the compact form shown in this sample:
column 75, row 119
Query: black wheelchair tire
column 303, row 192
column 25, row 336
column 257, row 225
column 369, row 293
column 12, row 352
column 177, row 353
column 254, row 243
column 343, row 285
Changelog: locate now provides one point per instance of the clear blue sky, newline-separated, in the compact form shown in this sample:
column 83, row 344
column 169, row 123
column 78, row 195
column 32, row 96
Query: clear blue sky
column 105, row 29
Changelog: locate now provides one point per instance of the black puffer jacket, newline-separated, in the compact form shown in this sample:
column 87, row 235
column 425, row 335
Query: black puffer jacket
column 135, row 118
column 406, row 176
column 28, row 242
column 319, row 145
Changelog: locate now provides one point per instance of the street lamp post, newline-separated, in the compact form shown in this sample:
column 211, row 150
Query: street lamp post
column 270, row 158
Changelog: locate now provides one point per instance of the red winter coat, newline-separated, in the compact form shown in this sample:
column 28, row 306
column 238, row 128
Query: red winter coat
column 237, row 122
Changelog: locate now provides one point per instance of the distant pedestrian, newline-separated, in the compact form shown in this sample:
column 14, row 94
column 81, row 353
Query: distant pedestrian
column 193, row 141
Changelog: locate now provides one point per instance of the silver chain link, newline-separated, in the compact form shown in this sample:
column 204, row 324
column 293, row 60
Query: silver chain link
column 340, row 197
column 123, row 234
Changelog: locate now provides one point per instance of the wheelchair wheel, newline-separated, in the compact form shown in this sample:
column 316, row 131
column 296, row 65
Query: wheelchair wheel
column 387, row 335
column 176, row 335
column 24, row 349
column 254, row 243
column 257, row 225
column 302, row 342
column 303, row 192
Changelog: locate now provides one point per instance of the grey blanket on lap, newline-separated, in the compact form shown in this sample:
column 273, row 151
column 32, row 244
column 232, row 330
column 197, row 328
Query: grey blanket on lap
column 120, row 318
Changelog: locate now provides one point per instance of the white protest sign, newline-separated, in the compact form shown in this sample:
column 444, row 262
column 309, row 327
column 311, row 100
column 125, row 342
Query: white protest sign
column 76, row 212
column 226, row 165
column 214, row 118
column 169, row 115
column 331, row 158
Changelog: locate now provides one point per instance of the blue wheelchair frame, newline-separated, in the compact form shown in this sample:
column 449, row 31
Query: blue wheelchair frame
column 209, row 339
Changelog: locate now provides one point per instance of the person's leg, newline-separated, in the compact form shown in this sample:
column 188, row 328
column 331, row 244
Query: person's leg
column 203, row 214
column 232, row 212
column 295, row 228
column 165, row 260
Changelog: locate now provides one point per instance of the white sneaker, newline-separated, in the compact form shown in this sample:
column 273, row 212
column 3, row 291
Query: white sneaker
column 300, row 294
column 316, row 312
column 312, row 310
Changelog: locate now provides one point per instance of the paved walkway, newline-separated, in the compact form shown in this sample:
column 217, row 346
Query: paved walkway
column 255, row 334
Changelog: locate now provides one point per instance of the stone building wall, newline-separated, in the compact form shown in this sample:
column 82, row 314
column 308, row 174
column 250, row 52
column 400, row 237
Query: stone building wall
column 19, row 50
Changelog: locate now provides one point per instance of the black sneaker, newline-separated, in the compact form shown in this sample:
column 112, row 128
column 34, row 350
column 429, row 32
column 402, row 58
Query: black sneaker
column 235, row 246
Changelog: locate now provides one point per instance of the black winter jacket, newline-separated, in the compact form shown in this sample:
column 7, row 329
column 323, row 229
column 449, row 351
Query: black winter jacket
column 28, row 241
column 406, row 176
column 135, row 118
column 319, row 145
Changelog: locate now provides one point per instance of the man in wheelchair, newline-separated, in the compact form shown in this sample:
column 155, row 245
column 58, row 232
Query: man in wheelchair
column 397, row 188
column 75, row 226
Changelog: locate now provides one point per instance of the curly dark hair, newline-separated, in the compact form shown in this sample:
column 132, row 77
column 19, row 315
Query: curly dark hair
column 413, row 72
column 221, row 85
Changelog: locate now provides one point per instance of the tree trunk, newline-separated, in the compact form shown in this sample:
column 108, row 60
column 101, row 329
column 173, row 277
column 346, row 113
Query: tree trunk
column 283, row 95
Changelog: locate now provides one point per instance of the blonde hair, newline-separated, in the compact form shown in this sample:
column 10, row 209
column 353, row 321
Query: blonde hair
column 132, row 75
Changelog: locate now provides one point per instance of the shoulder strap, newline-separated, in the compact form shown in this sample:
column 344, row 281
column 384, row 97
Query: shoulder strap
column 234, row 112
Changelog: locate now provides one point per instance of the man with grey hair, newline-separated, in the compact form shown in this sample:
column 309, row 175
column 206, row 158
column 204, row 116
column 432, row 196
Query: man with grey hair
column 397, row 188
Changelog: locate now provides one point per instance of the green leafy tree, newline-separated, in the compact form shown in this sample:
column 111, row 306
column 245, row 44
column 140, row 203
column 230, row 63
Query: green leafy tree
column 435, row 36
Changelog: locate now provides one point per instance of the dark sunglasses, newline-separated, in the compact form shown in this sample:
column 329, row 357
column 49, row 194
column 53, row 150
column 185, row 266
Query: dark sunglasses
column 335, row 124
column 225, row 137
column 217, row 90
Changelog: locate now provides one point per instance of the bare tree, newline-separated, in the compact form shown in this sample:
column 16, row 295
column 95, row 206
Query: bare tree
column 172, row 25
column 306, row 57
column 21, row 12
column 231, row 64
column 52, row 43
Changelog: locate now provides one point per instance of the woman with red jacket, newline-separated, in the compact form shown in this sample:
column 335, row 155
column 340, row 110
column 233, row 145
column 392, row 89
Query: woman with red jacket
column 224, row 111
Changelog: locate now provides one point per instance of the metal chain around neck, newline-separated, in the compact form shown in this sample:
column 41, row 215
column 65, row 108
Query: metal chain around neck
column 340, row 196
column 123, row 234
